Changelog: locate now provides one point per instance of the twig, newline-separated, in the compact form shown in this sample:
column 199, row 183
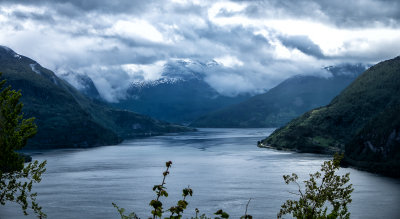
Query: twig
column 245, row 213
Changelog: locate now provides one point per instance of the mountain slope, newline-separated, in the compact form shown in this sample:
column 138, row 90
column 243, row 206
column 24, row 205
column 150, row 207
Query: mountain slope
column 64, row 116
column 284, row 102
column 82, row 83
column 180, row 95
column 377, row 146
column 363, row 120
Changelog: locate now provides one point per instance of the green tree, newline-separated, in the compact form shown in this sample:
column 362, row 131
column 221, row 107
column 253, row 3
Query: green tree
column 321, row 189
column 16, row 180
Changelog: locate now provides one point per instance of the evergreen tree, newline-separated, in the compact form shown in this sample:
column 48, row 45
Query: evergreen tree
column 16, row 180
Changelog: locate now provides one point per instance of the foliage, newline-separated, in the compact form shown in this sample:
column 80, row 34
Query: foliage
column 322, row 188
column 181, row 205
column 121, row 212
column 16, row 180
column 221, row 213
column 16, row 186
column 176, row 211
column 160, row 191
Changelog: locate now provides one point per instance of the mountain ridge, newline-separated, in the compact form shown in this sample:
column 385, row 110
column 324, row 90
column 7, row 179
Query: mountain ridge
column 361, row 121
column 67, row 118
column 281, row 104
column 180, row 95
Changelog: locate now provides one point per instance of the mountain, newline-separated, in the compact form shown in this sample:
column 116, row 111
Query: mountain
column 82, row 83
column 67, row 118
column 363, row 121
column 377, row 146
column 180, row 95
column 284, row 102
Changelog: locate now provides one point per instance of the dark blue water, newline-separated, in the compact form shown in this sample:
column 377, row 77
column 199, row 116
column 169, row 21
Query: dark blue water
column 222, row 166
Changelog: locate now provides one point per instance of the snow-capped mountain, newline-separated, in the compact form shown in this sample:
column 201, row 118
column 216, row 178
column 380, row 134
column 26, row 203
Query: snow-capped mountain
column 179, row 95
column 176, row 72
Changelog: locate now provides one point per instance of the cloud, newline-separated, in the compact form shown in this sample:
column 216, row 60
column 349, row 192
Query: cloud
column 229, row 61
column 350, row 14
column 112, row 82
column 135, row 29
column 257, row 43
column 144, row 72
column 302, row 43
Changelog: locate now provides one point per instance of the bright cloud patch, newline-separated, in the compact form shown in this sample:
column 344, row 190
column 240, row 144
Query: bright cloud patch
column 136, row 29
column 229, row 61
column 144, row 72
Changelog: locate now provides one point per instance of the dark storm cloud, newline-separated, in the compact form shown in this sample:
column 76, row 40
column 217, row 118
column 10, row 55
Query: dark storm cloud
column 186, row 9
column 357, row 13
column 103, row 6
column 239, row 39
column 363, row 12
column 302, row 43
column 46, row 17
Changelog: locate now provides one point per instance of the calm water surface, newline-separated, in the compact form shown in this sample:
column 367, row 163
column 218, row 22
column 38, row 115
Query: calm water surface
column 222, row 166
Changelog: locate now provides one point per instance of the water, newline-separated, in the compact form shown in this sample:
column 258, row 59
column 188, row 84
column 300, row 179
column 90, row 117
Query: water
column 222, row 166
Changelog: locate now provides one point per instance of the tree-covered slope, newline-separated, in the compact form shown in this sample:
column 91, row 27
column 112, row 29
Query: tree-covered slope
column 64, row 116
column 284, row 102
column 377, row 146
column 361, row 120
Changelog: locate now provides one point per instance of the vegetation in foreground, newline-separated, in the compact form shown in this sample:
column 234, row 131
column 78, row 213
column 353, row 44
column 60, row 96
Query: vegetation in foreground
column 16, row 181
column 323, row 188
column 326, row 195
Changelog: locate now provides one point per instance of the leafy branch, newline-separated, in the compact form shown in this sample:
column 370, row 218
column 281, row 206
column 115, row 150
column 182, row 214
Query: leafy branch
column 332, row 189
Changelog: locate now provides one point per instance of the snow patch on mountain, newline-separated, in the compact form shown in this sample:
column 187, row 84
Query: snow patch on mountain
column 34, row 69
column 146, row 84
column 176, row 71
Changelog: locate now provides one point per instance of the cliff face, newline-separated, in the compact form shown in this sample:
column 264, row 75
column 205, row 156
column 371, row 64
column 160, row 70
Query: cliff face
column 363, row 121
column 64, row 116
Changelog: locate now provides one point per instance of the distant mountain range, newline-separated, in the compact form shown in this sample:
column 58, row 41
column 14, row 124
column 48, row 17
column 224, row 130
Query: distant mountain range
column 284, row 102
column 67, row 118
column 363, row 121
column 180, row 95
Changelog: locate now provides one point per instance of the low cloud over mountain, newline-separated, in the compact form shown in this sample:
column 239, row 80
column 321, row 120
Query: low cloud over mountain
column 257, row 44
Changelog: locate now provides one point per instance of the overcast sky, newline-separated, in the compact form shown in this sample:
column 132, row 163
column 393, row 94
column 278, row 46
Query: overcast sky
column 257, row 43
